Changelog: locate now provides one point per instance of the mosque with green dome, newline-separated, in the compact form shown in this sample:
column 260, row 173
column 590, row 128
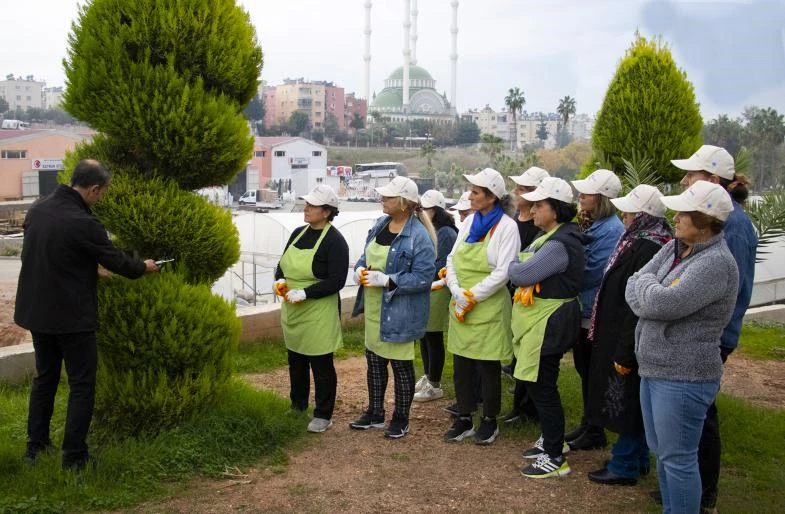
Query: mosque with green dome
column 425, row 103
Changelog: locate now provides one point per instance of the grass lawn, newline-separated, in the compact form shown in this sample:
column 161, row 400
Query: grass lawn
column 247, row 427
column 763, row 341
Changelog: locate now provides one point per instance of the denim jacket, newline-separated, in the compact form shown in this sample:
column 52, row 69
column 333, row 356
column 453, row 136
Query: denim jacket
column 602, row 238
column 743, row 243
column 410, row 266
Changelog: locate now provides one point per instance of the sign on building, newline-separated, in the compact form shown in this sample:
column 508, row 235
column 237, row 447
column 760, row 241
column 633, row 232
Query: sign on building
column 47, row 164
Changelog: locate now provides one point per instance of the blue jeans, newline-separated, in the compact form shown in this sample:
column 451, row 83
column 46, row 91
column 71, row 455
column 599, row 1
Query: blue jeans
column 629, row 455
column 673, row 414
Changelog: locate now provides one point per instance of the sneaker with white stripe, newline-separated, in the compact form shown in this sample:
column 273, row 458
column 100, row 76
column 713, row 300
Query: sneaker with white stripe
column 546, row 467
column 420, row 383
column 539, row 449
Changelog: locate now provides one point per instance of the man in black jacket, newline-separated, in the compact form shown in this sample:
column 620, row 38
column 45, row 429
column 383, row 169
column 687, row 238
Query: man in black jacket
column 57, row 302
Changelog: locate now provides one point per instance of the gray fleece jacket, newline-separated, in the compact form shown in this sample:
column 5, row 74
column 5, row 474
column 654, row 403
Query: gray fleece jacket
column 683, row 310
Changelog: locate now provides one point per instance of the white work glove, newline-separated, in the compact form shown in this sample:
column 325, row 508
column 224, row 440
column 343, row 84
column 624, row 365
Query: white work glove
column 455, row 291
column 357, row 274
column 437, row 284
column 463, row 301
column 374, row 279
column 279, row 287
column 295, row 296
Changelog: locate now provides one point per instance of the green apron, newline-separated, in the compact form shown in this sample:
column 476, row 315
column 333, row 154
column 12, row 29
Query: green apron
column 439, row 316
column 312, row 327
column 485, row 334
column 529, row 323
column 376, row 258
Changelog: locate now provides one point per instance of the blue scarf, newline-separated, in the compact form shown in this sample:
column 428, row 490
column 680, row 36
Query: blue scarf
column 482, row 224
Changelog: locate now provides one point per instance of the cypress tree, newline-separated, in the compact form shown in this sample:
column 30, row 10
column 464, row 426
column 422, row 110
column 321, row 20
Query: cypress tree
column 164, row 82
column 649, row 111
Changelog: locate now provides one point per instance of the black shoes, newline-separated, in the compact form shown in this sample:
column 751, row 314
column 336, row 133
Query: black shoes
column 589, row 440
column 461, row 429
column 575, row 434
column 368, row 420
column 607, row 477
column 397, row 428
column 487, row 432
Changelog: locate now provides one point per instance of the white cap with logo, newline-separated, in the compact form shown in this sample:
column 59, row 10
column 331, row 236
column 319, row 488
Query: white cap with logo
column 601, row 182
column 644, row 198
column 702, row 196
column 464, row 204
column 400, row 186
column 531, row 177
column 711, row 159
column 551, row 187
column 490, row 179
column 322, row 195
column 432, row 198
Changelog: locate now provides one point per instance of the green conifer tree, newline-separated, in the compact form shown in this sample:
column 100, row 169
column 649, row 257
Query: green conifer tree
column 649, row 111
column 164, row 82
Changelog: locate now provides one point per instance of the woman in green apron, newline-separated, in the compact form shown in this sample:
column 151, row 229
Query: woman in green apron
column 429, row 387
column 311, row 272
column 479, row 330
column 394, row 273
column 546, row 316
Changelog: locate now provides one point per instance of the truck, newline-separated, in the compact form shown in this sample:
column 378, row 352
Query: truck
column 260, row 200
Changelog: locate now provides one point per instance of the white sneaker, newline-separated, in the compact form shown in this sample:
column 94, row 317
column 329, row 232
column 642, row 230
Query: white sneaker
column 319, row 425
column 428, row 393
column 420, row 383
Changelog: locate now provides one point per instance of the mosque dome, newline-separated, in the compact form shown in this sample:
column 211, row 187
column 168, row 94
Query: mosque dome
column 424, row 99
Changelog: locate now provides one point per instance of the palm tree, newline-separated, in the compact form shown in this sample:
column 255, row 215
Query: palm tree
column 492, row 145
column 357, row 123
column 514, row 102
column 566, row 109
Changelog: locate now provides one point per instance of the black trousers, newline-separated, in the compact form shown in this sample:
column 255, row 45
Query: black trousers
column 403, row 384
column 464, row 372
column 79, row 353
column 522, row 400
column 325, row 382
column 546, row 397
column 432, row 352
column 710, row 453
column 581, row 355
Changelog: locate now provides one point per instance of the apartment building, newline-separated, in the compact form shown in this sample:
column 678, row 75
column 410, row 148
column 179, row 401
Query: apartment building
column 22, row 93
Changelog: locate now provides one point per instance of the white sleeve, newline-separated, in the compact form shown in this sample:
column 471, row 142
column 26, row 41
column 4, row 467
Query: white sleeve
column 502, row 250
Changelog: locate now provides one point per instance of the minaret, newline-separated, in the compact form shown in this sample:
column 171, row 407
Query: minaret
column 454, row 55
column 415, row 12
column 367, row 55
column 407, row 23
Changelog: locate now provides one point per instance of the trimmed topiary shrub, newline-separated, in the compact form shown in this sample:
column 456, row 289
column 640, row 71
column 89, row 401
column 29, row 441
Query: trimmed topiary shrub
column 165, row 83
column 165, row 350
column 649, row 111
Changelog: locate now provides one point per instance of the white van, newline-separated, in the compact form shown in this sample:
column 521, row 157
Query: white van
column 15, row 125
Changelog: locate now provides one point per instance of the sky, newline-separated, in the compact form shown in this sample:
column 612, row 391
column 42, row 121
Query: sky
column 732, row 51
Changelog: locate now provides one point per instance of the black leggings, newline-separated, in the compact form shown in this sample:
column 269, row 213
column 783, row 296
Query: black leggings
column 464, row 371
column 432, row 352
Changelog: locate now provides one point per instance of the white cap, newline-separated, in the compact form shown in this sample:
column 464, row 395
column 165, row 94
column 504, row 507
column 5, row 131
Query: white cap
column 464, row 204
column 601, row 182
column 531, row 177
column 703, row 196
column 432, row 198
column 322, row 195
column 490, row 179
column 644, row 198
column 551, row 187
column 711, row 159
column 400, row 186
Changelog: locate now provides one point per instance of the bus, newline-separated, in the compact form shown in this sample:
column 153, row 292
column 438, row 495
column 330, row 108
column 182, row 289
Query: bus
column 367, row 177
column 377, row 169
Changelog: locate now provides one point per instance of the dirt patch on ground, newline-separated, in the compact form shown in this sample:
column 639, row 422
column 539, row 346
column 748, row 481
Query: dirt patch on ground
column 10, row 333
column 344, row 470
column 761, row 382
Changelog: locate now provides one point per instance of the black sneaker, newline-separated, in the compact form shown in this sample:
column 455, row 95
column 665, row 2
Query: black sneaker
column 487, row 432
column 461, row 429
column 546, row 467
column 513, row 417
column 452, row 410
column 368, row 420
column 575, row 434
column 397, row 429
column 590, row 440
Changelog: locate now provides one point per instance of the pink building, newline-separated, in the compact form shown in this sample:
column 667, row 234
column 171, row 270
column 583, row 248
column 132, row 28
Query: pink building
column 269, row 106
column 335, row 104
column 355, row 105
